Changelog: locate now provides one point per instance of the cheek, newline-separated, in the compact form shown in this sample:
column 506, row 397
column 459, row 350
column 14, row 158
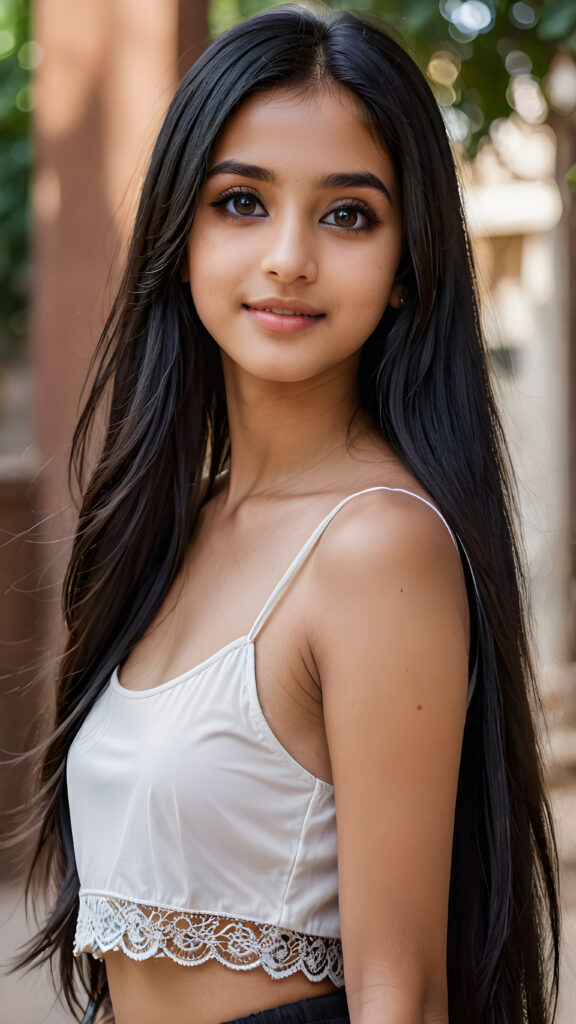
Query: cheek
column 206, row 266
column 369, row 288
column 215, row 264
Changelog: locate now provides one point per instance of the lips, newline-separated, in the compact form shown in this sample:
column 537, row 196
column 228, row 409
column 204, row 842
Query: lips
column 283, row 316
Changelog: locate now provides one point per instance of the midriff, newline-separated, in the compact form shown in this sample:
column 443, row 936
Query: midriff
column 149, row 991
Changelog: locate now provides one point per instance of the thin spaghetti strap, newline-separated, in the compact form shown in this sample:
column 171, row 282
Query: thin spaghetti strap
column 313, row 540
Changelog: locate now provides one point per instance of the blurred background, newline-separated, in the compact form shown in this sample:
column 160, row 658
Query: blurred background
column 83, row 87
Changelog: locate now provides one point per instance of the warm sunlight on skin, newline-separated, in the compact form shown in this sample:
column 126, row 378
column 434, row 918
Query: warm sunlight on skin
column 294, row 250
column 292, row 261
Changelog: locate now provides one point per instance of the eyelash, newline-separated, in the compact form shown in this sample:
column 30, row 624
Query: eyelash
column 231, row 193
column 349, row 204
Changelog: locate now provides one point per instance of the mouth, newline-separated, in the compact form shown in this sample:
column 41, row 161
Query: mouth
column 286, row 308
column 285, row 317
column 283, row 312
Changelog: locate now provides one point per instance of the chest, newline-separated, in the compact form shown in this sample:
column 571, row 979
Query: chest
column 228, row 576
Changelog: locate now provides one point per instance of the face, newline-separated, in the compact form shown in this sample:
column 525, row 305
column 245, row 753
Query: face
column 293, row 255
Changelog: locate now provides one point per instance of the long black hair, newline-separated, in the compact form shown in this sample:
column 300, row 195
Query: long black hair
column 424, row 379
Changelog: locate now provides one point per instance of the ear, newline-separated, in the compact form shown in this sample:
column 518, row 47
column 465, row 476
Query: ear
column 397, row 295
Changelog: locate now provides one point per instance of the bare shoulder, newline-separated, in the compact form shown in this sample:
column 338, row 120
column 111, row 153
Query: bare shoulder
column 388, row 539
column 389, row 633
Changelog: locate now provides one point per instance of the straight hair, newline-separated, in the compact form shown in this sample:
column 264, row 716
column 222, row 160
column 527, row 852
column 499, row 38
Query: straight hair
column 424, row 379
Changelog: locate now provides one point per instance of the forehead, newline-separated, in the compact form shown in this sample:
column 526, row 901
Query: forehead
column 318, row 130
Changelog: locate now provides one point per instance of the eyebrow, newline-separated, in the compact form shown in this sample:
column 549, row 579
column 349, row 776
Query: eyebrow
column 356, row 179
column 359, row 179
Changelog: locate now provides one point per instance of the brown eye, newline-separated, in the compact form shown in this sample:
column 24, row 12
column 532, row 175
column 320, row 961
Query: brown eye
column 350, row 217
column 244, row 204
column 346, row 217
column 238, row 204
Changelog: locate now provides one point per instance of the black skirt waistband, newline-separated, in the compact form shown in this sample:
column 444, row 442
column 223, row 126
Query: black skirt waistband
column 326, row 1009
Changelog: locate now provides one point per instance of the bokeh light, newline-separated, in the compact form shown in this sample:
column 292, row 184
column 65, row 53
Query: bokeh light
column 444, row 67
column 7, row 43
column 525, row 96
column 468, row 18
column 518, row 63
column 523, row 16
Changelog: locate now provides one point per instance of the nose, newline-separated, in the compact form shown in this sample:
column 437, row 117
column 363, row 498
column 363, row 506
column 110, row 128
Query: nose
column 289, row 252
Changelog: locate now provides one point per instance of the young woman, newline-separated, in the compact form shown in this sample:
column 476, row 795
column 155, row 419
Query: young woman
column 258, row 791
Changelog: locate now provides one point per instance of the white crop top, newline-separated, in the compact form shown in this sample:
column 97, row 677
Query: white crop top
column 197, row 835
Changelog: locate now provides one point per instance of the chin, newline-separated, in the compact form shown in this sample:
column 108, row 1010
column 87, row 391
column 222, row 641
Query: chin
column 277, row 371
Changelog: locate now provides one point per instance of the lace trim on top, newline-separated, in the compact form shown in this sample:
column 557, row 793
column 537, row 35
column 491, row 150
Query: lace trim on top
column 109, row 923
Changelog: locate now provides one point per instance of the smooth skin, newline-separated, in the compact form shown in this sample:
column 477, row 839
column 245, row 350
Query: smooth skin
column 362, row 668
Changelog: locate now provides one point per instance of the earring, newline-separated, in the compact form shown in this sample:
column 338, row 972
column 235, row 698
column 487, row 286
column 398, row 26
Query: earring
column 403, row 298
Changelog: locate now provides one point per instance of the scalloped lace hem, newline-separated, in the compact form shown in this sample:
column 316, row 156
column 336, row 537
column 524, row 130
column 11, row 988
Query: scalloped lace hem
column 108, row 923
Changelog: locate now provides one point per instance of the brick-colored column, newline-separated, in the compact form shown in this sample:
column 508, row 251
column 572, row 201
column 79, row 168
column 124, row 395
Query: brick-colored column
column 192, row 32
column 108, row 73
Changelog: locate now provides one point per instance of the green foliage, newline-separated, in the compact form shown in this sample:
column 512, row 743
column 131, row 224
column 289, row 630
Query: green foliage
column 16, row 56
column 497, row 67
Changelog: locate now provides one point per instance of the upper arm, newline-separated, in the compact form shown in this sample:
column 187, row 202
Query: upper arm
column 391, row 641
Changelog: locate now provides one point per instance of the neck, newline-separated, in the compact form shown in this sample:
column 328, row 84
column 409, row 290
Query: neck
column 281, row 434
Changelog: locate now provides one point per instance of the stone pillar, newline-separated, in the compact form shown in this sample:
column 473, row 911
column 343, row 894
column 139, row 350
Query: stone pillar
column 192, row 32
column 109, row 71
column 107, row 75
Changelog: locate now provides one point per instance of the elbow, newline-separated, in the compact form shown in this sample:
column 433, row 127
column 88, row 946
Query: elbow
column 435, row 1015
column 408, row 994
column 396, row 1006
column 408, row 1015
